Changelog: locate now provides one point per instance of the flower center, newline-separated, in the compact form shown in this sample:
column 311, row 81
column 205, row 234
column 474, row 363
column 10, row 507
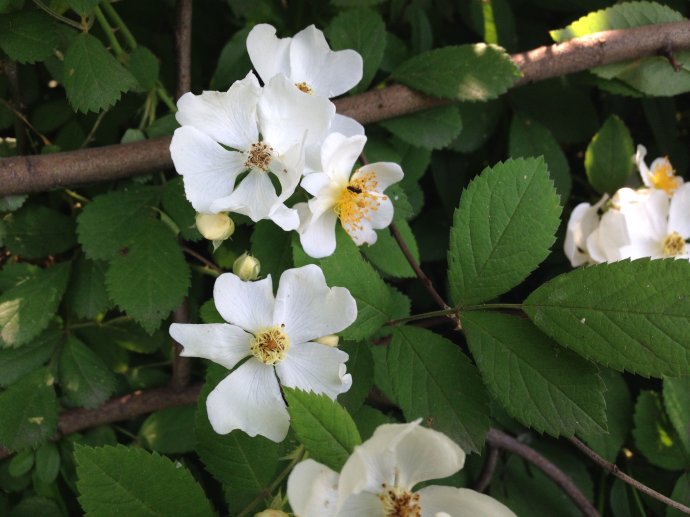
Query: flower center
column 398, row 502
column 663, row 177
column 259, row 156
column 357, row 201
column 304, row 87
column 270, row 345
column 673, row 245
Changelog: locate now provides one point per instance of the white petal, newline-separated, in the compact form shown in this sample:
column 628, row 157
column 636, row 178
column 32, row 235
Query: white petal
column 255, row 197
column 249, row 305
column 219, row 342
column 312, row 489
column 314, row 367
column 642, row 166
column 318, row 235
column 313, row 183
column 328, row 73
column 288, row 168
column 583, row 221
column 309, row 308
column 249, row 399
column 460, row 502
column 227, row 117
column 679, row 212
column 286, row 218
column 269, row 54
column 346, row 126
column 386, row 173
column 339, row 154
column 209, row 171
column 360, row 505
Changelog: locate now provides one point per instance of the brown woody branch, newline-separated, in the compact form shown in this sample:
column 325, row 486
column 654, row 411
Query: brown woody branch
column 39, row 173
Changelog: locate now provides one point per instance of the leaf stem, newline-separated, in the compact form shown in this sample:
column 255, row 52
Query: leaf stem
column 494, row 306
column 58, row 17
column 423, row 316
column 165, row 97
column 126, row 34
column 112, row 39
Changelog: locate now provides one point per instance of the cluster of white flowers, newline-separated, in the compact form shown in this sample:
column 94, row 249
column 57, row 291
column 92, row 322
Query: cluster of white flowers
column 248, row 149
column 380, row 475
column 652, row 221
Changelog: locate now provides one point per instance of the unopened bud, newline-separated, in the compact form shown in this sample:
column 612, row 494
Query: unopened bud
column 330, row 340
column 215, row 227
column 271, row 513
column 247, row 267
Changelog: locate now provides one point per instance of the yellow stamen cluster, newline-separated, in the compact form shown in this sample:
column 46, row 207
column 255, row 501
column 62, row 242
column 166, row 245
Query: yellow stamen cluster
column 673, row 244
column 398, row 502
column 357, row 200
column 304, row 87
column 270, row 345
column 259, row 156
column 663, row 177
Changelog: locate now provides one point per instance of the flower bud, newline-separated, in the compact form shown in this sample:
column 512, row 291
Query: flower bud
column 271, row 513
column 330, row 340
column 215, row 227
column 246, row 267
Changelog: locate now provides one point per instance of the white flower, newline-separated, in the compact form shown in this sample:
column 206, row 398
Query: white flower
column 660, row 175
column 225, row 134
column 583, row 221
column 276, row 334
column 357, row 200
column 379, row 479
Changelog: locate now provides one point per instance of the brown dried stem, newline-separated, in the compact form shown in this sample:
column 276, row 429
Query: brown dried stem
column 183, row 46
column 488, row 469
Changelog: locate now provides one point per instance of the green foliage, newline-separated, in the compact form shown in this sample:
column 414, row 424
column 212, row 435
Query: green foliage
column 502, row 230
column 434, row 128
column 86, row 294
column 676, row 402
column 37, row 231
column 169, row 431
column 112, row 480
column 28, row 36
column 47, row 462
column 361, row 362
column 273, row 247
column 17, row 362
column 144, row 67
column 681, row 493
column 83, row 7
column 611, row 313
column 609, row 157
column 385, row 254
column 84, row 379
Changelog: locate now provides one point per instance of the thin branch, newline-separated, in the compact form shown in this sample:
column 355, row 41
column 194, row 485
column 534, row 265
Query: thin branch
column 506, row 442
column 183, row 46
column 12, row 72
column 206, row 262
column 613, row 469
column 35, row 174
column 488, row 469
column 181, row 366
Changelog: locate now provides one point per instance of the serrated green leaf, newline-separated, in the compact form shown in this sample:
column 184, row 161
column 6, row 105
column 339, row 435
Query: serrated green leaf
column 433, row 128
column 434, row 380
column 363, row 31
column 654, row 435
column 361, row 362
column 677, row 402
column 83, row 7
column 681, row 493
column 36, row 231
column 180, row 210
column 324, row 427
column 29, row 411
column 170, row 431
column 47, row 462
column 632, row 316
column 28, row 36
column 609, row 156
column 86, row 294
column 466, row 73
column 543, row 386
column 273, row 247
column 93, row 79
column 13, row 274
column 530, row 138
column 502, row 230
column 107, row 223
column 125, row 335
column 17, row 362
column 479, row 122
column 124, row 480
column 144, row 67
column 27, row 308
column 152, row 278
column 84, row 379
column 385, row 254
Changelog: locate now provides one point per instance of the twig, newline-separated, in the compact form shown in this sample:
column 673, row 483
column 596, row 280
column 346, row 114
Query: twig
column 12, row 72
column 183, row 46
column 206, row 262
column 506, row 442
column 181, row 366
column 488, row 469
column 613, row 469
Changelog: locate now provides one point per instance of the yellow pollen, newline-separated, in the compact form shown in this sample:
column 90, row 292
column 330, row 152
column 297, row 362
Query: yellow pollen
column 357, row 201
column 304, row 87
column 673, row 245
column 270, row 345
column 260, row 155
column 398, row 502
column 663, row 177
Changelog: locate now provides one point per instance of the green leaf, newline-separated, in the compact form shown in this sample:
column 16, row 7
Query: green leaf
column 654, row 435
column 209, row 314
column 466, row 73
column 433, row 128
column 27, row 308
column 86, row 294
column 273, row 247
column 152, row 278
column 530, row 138
column 677, row 402
column 17, row 362
column 362, row 363
column 28, row 36
column 32, row 506
column 385, row 254
column 609, row 156
column 681, row 493
column 21, row 463
column 502, row 230
column 84, row 379
column 29, row 411
column 36, row 231
column 117, row 480
column 361, row 30
column 180, row 210
column 324, row 427
column 632, row 316
column 543, row 386
column 107, row 223
column 83, row 7
column 144, row 67
column 123, row 334
column 233, row 62
column 479, row 122
column 170, row 431
column 94, row 80
column 434, row 380
column 47, row 462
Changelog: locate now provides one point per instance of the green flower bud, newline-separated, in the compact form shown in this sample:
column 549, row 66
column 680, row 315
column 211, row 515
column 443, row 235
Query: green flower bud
column 247, row 267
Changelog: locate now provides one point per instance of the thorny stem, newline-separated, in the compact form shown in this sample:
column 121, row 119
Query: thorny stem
column 108, row 30
column 165, row 97
column 206, row 262
column 119, row 22
column 423, row 316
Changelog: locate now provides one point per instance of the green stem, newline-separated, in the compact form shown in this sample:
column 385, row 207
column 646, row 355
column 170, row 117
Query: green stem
column 58, row 17
column 126, row 34
column 205, row 270
column 424, row 316
column 109, row 33
column 494, row 306
column 77, row 196
column 165, row 97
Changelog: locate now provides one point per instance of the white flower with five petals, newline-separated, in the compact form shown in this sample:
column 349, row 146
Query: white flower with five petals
column 276, row 337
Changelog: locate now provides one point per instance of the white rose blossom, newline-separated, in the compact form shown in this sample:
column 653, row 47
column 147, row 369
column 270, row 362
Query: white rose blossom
column 379, row 479
column 247, row 129
column 660, row 175
column 584, row 219
column 357, row 200
column 277, row 336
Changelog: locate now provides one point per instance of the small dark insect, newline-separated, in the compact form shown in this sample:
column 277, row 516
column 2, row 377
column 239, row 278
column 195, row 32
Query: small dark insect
column 124, row 251
column 354, row 189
